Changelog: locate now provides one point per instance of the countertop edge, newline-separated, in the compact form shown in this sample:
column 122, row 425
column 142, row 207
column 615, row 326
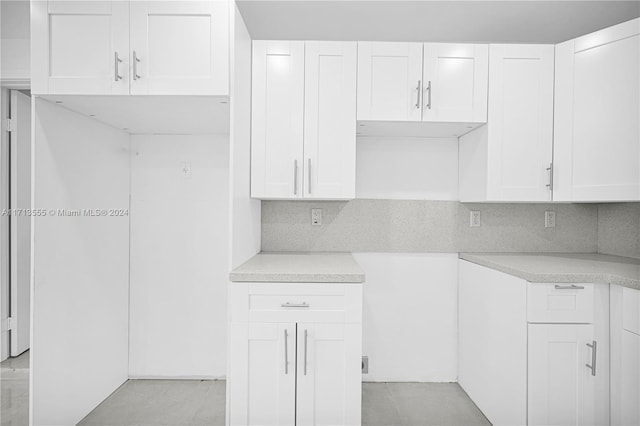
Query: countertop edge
column 562, row 277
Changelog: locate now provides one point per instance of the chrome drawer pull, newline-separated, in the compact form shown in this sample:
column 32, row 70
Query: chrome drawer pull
column 286, row 352
column 295, row 305
column 569, row 287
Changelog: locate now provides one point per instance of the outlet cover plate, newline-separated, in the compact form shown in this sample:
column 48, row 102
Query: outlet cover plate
column 549, row 219
column 316, row 217
column 474, row 218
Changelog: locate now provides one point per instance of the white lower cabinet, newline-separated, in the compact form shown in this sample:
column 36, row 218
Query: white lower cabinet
column 561, row 374
column 625, row 356
column 537, row 354
column 295, row 354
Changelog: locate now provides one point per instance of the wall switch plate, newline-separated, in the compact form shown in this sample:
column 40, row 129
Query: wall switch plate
column 474, row 218
column 316, row 217
column 365, row 365
column 549, row 219
column 185, row 168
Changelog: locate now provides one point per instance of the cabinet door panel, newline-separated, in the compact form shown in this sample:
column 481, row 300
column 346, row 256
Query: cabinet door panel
column 630, row 379
column 561, row 387
column 329, row 374
column 262, row 385
column 389, row 81
column 521, row 121
column 456, row 75
column 277, row 119
column 181, row 47
column 330, row 120
column 75, row 46
column 606, row 129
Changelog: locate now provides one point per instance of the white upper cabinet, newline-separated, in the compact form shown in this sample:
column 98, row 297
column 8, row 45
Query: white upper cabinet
column 277, row 116
column 130, row 47
column 389, row 81
column 80, row 47
column 597, row 116
column 434, row 82
column 330, row 120
column 303, row 120
column 455, row 82
column 178, row 47
column 510, row 158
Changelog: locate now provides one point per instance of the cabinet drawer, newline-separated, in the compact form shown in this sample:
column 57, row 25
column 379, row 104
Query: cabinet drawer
column 560, row 303
column 631, row 310
column 296, row 302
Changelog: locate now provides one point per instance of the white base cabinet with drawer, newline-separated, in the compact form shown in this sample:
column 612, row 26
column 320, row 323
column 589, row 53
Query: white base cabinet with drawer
column 295, row 354
column 532, row 353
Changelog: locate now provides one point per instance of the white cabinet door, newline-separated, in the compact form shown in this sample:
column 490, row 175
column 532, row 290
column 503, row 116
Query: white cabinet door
column 630, row 379
column 80, row 47
column 262, row 374
column 597, row 116
column 180, row 47
column 330, row 120
column 561, row 386
column 277, row 119
column 389, row 81
column 520, row 122
column 329, row 374
column 455, row 82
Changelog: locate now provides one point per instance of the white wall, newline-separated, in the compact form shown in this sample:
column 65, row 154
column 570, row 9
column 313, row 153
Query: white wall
column 179, row 260
column 80, row 277
column 245, row 218
column 407, row 168
column 410, row 316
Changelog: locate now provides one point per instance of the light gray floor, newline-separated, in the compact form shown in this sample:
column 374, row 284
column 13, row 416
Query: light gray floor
column 14, row 391
column 182, row 403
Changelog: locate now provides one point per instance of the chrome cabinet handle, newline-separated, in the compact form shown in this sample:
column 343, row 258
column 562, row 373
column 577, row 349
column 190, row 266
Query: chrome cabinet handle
column 309, row 173
column 286, row 352
column 306, row 337
column 428, row 90
column 116, row 63
column 295, row 305
column 569, row 287
column 295, row 177
column 594, row 353
column 419, row 90
column 136, row 76
column 550, row 170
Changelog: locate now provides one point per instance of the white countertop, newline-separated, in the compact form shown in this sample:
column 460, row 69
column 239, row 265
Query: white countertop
column 563, row 268
column 300, row 267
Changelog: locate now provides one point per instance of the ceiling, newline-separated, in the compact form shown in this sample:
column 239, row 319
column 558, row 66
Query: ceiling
column 507, row 21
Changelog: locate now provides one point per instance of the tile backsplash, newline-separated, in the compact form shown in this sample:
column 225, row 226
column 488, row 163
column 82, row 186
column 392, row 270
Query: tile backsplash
column 366, row 225
column 619, row 229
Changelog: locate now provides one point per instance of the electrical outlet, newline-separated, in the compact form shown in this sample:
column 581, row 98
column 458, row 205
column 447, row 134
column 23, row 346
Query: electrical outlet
column 474, row 218
column 316, row 217
column 365, row 365
column 549, row 219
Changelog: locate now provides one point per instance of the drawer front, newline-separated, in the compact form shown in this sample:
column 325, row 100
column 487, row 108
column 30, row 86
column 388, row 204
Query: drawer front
column 296, row 302
column 560, row 303
column 631, row 310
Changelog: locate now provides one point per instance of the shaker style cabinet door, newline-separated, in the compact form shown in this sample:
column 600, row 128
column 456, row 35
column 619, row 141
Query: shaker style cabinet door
column 330, row 120
column 630, row 379
column 277, row 119
column 521, row 121
column 179, row 47
column 80, row 47
column 263, row 374
column 329, row 378
column 597, row 116
column 455, row 82
column 389, row 81
column 561, row 386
